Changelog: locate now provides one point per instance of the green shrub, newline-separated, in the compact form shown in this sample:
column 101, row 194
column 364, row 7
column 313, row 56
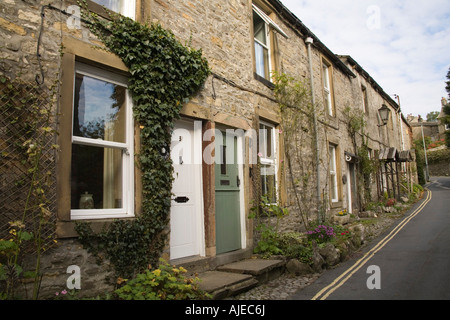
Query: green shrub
column 269, row 243
column 303, row 253
column 417, row 188
column 165, row 283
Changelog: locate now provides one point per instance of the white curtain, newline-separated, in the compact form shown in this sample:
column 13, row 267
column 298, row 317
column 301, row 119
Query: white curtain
column 108, row 171
column 259, row 57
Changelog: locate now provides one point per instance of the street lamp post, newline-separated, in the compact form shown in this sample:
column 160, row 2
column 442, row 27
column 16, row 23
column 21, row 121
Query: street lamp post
column 427, row 173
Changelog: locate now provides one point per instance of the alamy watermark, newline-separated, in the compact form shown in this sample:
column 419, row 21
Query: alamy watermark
column 374, row 281
column 219, row 145
column 373, row 21
column 74, row 280
column 74, row 20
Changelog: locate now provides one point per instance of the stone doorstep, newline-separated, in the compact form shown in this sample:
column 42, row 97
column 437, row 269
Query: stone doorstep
column 263, row 270
column 237, row 277
column 225, row 284
column 197, row 264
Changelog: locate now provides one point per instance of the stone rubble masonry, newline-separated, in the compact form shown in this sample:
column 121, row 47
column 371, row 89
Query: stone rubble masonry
column 223, row 30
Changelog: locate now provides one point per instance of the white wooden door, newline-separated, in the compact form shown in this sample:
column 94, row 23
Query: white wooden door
column 186, row 236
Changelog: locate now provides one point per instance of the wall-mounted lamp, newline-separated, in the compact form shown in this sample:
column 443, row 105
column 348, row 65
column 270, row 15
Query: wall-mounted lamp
column 384, row 113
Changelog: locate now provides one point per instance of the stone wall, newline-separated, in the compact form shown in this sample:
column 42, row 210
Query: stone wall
column 439, row 162
column 439, row 169
column 20, row 27
column 96, row 276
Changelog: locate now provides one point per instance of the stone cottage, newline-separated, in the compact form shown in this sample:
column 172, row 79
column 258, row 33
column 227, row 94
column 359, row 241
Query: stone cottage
column 232, row 145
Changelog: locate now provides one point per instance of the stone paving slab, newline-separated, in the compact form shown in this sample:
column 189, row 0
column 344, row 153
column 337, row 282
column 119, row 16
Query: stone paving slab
column 253, row 267
column 213, row 280
column 224, row 284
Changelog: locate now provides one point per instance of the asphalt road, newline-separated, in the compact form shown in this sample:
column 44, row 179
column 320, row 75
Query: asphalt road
column 411, row 261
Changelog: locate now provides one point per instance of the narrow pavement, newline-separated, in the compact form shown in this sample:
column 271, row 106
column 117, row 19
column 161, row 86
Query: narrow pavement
column 411, row 261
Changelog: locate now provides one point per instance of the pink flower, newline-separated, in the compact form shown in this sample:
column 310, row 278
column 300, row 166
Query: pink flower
column 64, row 291
column 260, row 154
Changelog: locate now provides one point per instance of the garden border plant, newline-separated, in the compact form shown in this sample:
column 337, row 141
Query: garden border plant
column 269, row 242
column 164, row 283
column 164, row 74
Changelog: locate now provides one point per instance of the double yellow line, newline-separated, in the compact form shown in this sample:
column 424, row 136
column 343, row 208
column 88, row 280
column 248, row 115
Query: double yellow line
column 339, row 281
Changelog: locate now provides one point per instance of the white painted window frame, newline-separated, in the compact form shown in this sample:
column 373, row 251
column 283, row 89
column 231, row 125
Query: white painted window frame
column 333, row 174
column 327, row 87
column 273, row 160
column 127, row 210
column 269, row 21
column 127, row 8
column 265, row 46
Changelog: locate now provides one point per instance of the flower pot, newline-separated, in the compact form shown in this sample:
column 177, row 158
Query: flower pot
column 341, row 219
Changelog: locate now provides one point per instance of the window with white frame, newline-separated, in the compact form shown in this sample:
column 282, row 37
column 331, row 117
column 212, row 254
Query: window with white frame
column 262, row 25
column 333, row 174
column 326, row 75
column 124, row 7
column 262, row 46
column 267, row 154
column 102, row 167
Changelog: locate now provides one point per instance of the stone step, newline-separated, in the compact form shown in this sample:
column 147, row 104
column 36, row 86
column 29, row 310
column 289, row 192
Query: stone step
column 237, row 277
column 197, row 264
column 263, row 270
column 225, row 284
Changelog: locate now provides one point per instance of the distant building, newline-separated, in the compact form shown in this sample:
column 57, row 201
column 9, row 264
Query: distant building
column 435, row 130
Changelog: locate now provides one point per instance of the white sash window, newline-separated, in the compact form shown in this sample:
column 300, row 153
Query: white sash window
column 327, row 89
column 333, row 175
column 268, row 160
column 261, row 25
column 102, row 146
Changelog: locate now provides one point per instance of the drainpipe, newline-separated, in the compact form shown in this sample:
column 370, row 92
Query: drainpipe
column 308, row 42
column 399, row 113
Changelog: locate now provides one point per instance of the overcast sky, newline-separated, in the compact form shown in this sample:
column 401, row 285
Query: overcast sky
column 403, row 44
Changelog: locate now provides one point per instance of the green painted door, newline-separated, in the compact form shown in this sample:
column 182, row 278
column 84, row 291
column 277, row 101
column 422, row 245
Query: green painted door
column 228, row 226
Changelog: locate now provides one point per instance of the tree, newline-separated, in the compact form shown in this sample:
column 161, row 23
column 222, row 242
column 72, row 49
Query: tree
column 432, row 116
column 448, row 82
column 446, row 119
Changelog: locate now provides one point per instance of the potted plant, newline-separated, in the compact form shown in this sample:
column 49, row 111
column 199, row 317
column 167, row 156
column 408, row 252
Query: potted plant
column 342, row 217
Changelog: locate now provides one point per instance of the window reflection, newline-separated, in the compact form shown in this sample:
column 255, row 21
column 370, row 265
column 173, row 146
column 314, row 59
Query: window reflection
column 113, row 5
column 99, row 109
